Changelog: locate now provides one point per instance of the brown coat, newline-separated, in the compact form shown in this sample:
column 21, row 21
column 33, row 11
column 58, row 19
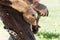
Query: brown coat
column 15, row 22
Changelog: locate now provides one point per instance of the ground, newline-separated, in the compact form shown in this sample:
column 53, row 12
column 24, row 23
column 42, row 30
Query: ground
column 49, row 24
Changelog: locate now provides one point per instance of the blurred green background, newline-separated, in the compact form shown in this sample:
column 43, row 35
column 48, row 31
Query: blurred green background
column 50, row 26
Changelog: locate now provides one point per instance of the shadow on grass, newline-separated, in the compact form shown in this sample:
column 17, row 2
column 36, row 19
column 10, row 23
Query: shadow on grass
column 48, row 35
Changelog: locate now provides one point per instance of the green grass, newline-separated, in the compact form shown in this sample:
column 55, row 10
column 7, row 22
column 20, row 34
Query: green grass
column 48, row 35
column 50, row 26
